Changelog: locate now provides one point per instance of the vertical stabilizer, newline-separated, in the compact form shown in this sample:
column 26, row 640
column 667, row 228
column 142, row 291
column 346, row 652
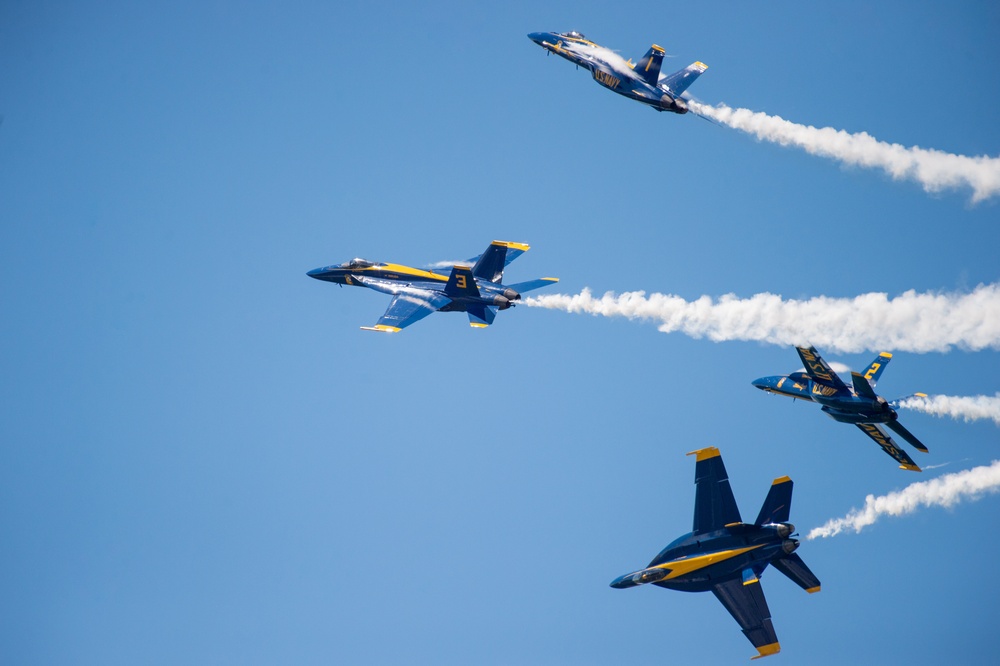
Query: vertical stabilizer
column 648, row 69
column 876, row 367
column 490, row 264
column 777, row 504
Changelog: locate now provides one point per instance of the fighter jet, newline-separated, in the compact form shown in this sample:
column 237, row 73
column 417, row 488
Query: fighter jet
column 641, row 81
column 418, row 292
column 860, row 406
column 727, row 556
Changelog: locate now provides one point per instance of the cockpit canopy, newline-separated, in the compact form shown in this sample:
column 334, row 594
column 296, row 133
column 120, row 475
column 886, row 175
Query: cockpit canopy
column 575, row 34
column 357, row 262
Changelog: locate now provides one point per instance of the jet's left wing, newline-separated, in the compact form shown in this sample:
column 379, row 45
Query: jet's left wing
column 714, row 504
column 406, row 309
column 819, row 371
column 882, row 438
column 745, row 602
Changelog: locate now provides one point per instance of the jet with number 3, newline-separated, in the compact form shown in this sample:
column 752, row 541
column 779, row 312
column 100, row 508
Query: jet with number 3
column 727, row 556
column 860, row 405
column 640, row 81
column 475, row 289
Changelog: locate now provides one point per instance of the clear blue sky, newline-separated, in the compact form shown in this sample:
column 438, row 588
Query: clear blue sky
column 204, row 460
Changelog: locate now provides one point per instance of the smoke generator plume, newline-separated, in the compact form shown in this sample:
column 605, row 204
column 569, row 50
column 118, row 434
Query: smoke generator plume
column 935, row 170
column 912, row 322
column 967, row 408
column 947, row 491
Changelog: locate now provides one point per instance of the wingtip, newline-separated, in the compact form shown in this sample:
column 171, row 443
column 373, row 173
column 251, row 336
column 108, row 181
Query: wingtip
column 705, row 453
column 813, row 590
column 767, row 650
column 910, row 468
column 381, row 328
column 523, row 247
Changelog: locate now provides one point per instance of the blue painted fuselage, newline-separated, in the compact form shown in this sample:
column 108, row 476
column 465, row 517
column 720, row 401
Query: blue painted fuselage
column 694, row 563
column 846, row 407
column 639, row 82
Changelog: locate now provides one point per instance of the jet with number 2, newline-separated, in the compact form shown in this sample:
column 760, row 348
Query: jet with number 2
column 860, row 406
column 727, row 556
column 416, row 292
column 641, row 81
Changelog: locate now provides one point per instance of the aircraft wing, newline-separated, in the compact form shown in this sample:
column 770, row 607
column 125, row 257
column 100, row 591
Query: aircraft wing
column 882, row 438
column 406, row 309
column 746, row 603
column 819, row 371
column 714, row 504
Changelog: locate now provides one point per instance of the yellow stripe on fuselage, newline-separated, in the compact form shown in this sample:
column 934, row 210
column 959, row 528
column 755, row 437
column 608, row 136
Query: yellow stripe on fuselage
column 687, row 565
column 394, row 271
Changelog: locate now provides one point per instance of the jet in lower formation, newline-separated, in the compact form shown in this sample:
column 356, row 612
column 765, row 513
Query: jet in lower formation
column 727, row 556
column 475, row 289
column 860, row 405
column 640, row 81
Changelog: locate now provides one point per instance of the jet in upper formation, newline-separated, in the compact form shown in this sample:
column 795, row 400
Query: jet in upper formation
column 860, row 406
column 727, row 556
column 416, row 292
column 640, row 81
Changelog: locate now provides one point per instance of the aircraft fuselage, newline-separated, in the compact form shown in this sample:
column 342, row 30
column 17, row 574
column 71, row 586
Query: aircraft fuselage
column 695, row 563
column 356, row 273
column 605, row 68
column 844, row 408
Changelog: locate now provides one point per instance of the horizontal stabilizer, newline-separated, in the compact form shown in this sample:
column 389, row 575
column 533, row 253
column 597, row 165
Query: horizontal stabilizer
column 898, row 428
column 793, row 567
column 862, row 387
column 678, row 82
column 523, row 287
column 481, row 316
column 778, row 503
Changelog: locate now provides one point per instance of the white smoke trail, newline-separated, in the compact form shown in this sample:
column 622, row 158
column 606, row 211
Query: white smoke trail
column 967, row 408
column 913, row 322
column 947, row 491
column 935, row 170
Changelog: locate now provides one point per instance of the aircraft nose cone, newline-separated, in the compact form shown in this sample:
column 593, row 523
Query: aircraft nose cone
column 316, row 273
column 621, row 582
column 763, row 383
column 536, row 37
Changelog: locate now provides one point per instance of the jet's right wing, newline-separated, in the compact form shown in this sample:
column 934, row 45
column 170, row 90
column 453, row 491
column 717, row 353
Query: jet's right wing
column 746, row 603
column 714, row 504
column 882, row 438
column 819, row 371
column 406, row 309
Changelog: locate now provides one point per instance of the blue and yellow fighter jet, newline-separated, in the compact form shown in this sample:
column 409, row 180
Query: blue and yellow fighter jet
column 819, row 383
column 727, row 556
column 640, row 81
column 416, row 293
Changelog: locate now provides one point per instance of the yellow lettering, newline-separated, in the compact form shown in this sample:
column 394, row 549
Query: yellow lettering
column 871, row 371
column 460, row 281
